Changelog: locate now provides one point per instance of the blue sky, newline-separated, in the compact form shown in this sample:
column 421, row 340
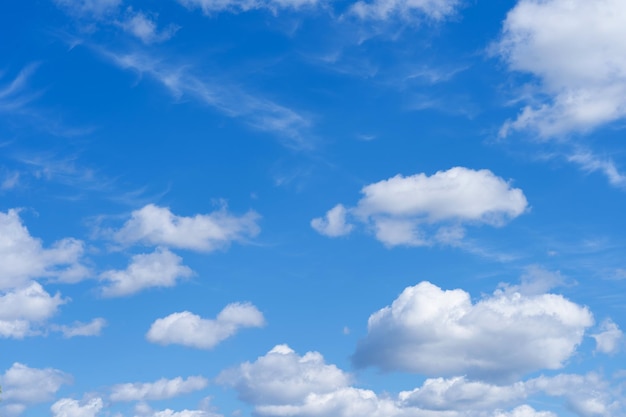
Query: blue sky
column 305, row 208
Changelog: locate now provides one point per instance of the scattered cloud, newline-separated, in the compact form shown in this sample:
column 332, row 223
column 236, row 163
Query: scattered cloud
column 401, row 209
column 284, row 377
column 590, row 162
column 67, row 407
column 188, row 329
column 209, row 7
column 20, row 308
column 158, row 390
column 15, row 95
column 160, row 268
column 580, row 75
column 23, row 386
column 23, row 257
column 610, row 339
column 434, row 332
column 404, row 9
column 154, row 225
column 283, row 383
column 93, row 328
column 334, row 223
column 144, row 27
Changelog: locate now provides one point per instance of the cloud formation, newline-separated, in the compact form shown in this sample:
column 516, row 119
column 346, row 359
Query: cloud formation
column 401, row 209
column 436, row 332
column 154, row 225
column 160, row 268
column 93, row 328
column 404, row 9
column 188, row 329
column 68, row 407
column 580, row 74
column 158, row 390
column 209, row 7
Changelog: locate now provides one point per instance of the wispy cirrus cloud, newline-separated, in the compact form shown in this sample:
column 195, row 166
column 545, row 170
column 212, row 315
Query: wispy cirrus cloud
column 290, row 126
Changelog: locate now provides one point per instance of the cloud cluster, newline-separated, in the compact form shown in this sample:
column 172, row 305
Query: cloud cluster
column 432, row 331
column 154, row 225
column 283, row 383
column 581, row 74
column 24, row 303
column 161, row 268
column 214, row 6
column 187, row 329
column 22, row 386
column 158, row 390
column 401, row 209
column 68, row 407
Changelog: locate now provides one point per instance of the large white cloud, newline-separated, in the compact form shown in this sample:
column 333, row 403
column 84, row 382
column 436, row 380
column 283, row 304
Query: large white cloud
column 283, row 377
column 188, row 329
column 68, row 407
column 23, row 386
column 283, row 383
column 576, row 49
column 386, row 9
column 158, row 390
column 155, row 225
column 431, row 331
column 23, row 307
column 23, row 257
column 161, row 268
column 402, row 210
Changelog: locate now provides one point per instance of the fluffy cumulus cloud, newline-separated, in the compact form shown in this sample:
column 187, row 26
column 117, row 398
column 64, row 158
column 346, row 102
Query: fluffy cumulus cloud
column 161, row 268
column 214, row 6
column 283, row 383
column 334, row 223
column 158, row 390
column 439, row 332
column 188, row 329
column 406, row 9
column 23, row 257
column 23, row 308
column 67, row 407
column 23, row 386
column 610, row 338
column 154, row 225
column 401, row 210
column 581, row 74
column 283, row 377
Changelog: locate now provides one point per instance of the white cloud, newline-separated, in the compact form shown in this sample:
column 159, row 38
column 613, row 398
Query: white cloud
column 22, row 386
column 589, row 162
column 283, row 383
column 158, row 390
column 161, row 268
column 67, row 407
column 94, row 8
column 23, row 257
column 145, row 28
column 610, row 338
column 93, row 328
column 402, row 209
column 22, row 307
column 581, row 72
column 284, row 377
column 406, row 9
column 156, row 225
column 214, row 6
column 334, row 223
column 184, row 413
column 188, row 329
column 435, row 332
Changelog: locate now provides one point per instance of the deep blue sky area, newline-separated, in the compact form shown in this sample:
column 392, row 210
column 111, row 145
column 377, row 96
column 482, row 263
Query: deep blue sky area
column 308, row 208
